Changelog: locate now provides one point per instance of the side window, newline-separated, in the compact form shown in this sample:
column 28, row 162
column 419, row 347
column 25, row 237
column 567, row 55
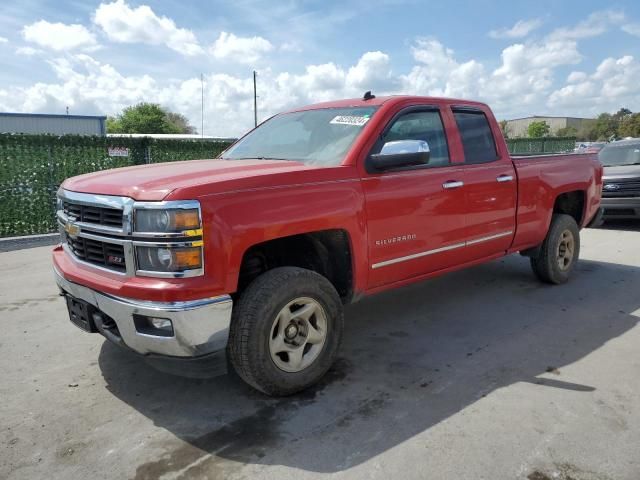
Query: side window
column 422, row 125
column 477, row 138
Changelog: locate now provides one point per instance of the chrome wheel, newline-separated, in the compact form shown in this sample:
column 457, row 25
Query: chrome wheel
column 566, row 249
column 298, row 334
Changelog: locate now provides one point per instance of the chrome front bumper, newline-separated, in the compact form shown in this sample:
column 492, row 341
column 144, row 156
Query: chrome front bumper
column 201, row 327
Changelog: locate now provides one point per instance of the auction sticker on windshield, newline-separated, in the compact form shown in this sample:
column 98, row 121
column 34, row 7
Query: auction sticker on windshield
column 357, row 121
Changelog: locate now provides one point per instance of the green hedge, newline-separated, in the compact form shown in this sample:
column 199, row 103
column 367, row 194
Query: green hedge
column 32, row 167
column 526, row 146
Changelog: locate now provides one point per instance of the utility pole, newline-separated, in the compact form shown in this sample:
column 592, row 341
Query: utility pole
column 202, row 105
column 255, row 101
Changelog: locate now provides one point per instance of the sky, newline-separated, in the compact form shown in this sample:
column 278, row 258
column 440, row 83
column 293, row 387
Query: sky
column 574, row 58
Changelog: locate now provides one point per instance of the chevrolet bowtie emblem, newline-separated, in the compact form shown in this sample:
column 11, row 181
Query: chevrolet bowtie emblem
column 72, row 229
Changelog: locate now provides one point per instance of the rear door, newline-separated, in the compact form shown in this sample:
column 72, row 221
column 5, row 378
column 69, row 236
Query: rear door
column 415, row 223
column 490, row 186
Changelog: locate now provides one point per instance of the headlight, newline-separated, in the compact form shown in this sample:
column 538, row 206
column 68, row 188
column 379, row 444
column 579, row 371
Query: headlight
column 166, row 221
column 172, row 243
column 169, row 259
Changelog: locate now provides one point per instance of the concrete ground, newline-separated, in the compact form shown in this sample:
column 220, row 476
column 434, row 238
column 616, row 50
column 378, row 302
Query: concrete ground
column 481, row 374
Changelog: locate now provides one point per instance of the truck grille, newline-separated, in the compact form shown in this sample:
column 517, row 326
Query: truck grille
column 99, row 253
column 623, row 188
column 110, row 217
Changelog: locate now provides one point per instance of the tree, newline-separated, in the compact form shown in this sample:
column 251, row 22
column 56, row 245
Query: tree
column 538, row 129
column 630, row 126
column 567, row 132
column 606, row 126
column 504, row 126
column 148, row 118
column 181, row 122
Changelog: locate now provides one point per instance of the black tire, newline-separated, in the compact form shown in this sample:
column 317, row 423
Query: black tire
column 252, row 322
column 546, row 264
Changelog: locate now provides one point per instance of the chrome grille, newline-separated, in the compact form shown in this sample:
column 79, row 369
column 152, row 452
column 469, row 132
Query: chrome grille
column 110, row 217
column 109, row 255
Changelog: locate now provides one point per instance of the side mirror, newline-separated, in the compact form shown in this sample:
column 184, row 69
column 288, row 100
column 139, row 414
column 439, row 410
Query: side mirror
column 401, row 153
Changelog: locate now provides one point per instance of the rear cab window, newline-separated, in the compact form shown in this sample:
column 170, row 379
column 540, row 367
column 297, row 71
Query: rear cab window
column 476, row 136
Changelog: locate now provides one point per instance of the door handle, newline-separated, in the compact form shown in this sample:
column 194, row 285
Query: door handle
column 452, row 184
column 504, row 178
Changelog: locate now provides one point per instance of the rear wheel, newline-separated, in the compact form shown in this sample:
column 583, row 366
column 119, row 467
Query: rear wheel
column 559, row 252
column 286, row 330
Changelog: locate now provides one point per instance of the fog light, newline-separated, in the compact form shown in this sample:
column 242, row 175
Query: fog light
column 156, row 326
column 161, row 323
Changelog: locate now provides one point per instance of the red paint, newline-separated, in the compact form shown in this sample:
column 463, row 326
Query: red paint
column 248, row 202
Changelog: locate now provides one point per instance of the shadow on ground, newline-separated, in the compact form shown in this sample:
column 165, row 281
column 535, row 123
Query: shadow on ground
column 410, row 359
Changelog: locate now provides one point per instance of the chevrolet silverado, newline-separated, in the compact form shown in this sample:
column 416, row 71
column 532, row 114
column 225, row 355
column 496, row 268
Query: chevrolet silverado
column 250, row 257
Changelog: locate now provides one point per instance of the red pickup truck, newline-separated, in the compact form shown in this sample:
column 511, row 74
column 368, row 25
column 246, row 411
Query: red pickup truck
column 249, row 258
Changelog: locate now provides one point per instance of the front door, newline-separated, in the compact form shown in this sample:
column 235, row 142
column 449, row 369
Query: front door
column 416, row 216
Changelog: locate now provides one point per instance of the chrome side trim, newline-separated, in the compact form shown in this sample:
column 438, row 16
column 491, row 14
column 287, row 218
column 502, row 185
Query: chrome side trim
column 441, row 249
column 490, row 237
column 417, row 255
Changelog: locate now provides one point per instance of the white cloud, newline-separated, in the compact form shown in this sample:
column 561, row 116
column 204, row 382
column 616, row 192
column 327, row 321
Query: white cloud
column 240, row 49
column 3, row 40
column 521, row 29
column 575, row 77
column 124, row 24
column 27, row 51
column 527, row 77
column 612, row 85
column 291, row 47
column 438, row 73
column 523, row 79
column 373, row 69
column 59, row 36
column 632, row 29
column 595, row 24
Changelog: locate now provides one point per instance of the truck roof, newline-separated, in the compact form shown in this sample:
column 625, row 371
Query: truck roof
column 377, row 101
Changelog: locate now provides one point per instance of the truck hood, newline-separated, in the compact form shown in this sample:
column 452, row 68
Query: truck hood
column 621, row 172
column 190, row 178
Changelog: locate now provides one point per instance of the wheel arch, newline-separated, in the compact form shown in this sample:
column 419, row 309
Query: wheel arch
column 327, row 252
column 571, row 203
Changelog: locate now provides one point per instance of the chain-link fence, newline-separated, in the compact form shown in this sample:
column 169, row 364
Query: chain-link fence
column 32, row 167
column 532, row 146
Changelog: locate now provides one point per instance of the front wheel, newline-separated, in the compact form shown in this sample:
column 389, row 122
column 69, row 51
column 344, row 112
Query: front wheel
column 558, row 254
column 285, row 330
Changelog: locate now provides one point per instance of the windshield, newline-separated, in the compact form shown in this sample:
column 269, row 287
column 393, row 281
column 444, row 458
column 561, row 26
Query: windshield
column 614, row 155
column 315, row 137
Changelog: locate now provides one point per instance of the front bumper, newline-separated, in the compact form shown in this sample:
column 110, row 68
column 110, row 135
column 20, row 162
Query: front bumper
column 620, row 207
column 201, row 327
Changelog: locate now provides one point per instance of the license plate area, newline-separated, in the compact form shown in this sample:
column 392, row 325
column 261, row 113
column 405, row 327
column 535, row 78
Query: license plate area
column 81, row 314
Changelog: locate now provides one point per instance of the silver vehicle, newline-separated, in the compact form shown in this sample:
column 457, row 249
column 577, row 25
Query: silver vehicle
column 621, row 181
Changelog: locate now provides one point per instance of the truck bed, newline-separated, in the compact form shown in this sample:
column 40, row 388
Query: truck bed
column 541, row 178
